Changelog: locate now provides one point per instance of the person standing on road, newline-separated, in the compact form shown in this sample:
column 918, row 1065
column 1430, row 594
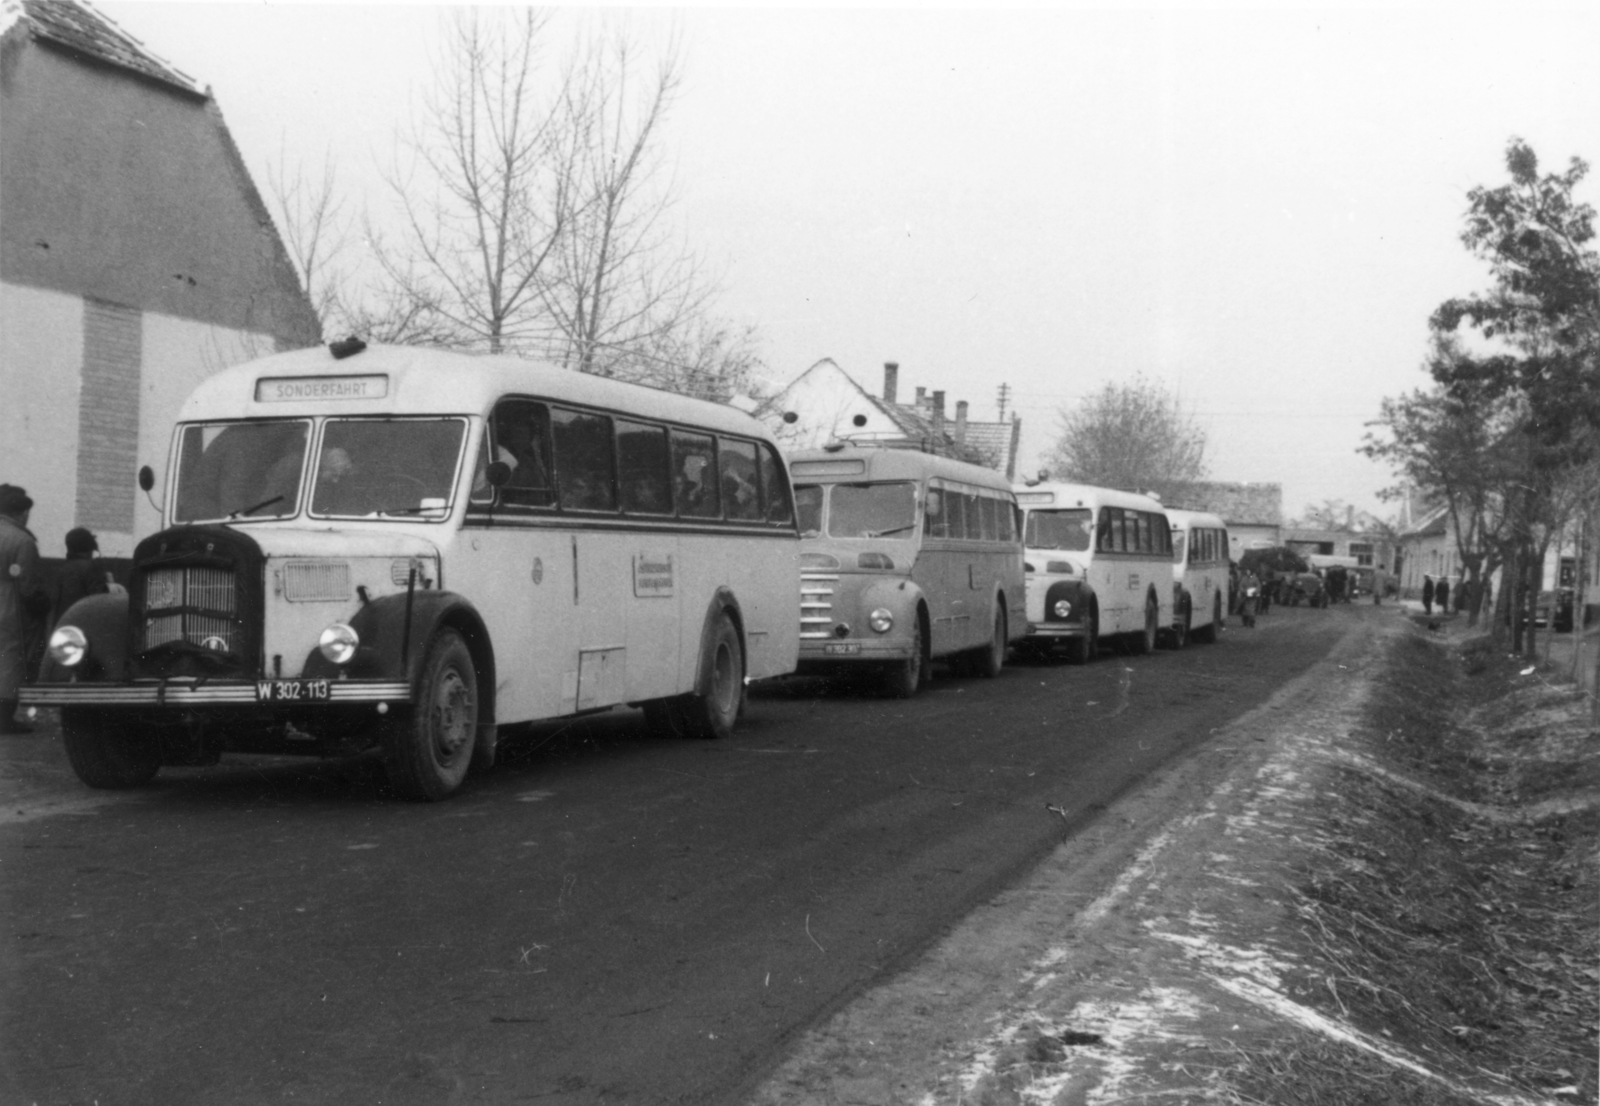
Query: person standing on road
column 80, row 576
column 1441, row 594
column 1427, row 595
column 22, row 602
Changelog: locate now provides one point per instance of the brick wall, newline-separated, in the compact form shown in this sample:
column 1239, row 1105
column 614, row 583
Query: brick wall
column 108, row 417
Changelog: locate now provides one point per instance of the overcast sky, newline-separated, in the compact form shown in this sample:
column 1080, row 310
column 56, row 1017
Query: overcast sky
column 1257, row 208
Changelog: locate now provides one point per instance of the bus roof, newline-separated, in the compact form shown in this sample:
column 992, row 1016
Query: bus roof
column 887, row 463
column 1053, row 494
column 408, row 380
column 1183, row 519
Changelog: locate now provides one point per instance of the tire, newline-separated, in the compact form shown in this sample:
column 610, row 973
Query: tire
column 108, row 751
column 428, row 748
column 1145, row 643
column 1082, row 650
column 988, row 661
column 905, row 679
column 712, row 716
column 1178, row 636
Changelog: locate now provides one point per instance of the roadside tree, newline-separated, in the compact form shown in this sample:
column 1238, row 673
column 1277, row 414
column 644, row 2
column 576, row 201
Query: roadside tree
column 1132, row 436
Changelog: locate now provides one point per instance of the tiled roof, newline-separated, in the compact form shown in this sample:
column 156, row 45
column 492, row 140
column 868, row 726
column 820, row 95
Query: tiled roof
column 77, row 27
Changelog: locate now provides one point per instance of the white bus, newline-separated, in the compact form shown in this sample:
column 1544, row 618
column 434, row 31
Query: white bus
column 1200, row 573
column 407, row 548
column 1099, row 564
column 905, row 558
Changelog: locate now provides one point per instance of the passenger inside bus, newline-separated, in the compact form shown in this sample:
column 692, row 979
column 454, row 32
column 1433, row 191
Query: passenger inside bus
column 523, row 443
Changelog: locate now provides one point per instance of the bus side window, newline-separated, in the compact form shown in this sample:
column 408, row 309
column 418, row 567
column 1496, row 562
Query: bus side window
column 694, row 475
column 955, row 514
column 642, row 478
column 933, row 513
column 990, row 517
column 585, row 460
column 736, row 461
column 775, row 494
column 521, row 433
column 1102, row 537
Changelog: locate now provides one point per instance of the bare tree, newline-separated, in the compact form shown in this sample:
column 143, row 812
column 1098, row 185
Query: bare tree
column 485, row 195
column 314, row 227
column 1133, row 436
column 624, row 298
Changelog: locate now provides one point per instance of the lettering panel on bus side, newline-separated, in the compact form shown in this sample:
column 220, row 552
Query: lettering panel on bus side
column 653, row 583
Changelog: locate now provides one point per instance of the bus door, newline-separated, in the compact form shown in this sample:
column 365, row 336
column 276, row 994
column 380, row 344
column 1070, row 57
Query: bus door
column 940, row 570
column 595, row 672
column 1118, row 585
column 504, row 552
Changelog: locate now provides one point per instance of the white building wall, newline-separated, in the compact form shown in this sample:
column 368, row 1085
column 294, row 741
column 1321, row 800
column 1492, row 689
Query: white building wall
column 827, row 403
column 41, row 368
column 41, row 360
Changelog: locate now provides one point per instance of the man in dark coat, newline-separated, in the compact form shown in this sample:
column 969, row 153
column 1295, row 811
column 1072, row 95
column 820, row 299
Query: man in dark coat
column 1441, row 594
column 22, row 601
column 80, row 576
column 1427, row 595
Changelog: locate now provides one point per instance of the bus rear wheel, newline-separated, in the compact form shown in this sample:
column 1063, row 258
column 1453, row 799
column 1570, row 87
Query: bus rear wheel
column 428, row 748
column 108, row 751
column 712, row 715
column 1178, row 636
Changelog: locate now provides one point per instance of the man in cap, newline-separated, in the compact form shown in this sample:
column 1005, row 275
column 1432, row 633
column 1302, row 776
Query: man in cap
column 80, row 576
column 22, row 602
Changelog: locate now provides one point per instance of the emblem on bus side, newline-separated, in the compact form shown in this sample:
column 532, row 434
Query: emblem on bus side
column 538, row 570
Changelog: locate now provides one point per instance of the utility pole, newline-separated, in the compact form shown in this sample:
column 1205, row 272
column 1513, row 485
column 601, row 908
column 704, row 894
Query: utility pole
column 1005, row 395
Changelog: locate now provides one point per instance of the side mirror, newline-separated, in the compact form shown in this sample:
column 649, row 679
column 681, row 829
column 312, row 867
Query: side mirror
column 498, row 474
column 147, row 478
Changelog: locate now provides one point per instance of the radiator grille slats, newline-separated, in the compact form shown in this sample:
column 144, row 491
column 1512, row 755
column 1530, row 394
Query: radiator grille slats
column 209, row 605
column 816, row 604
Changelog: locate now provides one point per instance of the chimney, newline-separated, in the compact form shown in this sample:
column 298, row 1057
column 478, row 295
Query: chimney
column 920, row 393
column 938, row 419
column 891, row 380
column 961, row 422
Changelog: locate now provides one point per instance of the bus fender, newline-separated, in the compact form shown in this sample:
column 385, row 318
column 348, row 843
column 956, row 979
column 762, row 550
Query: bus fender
column 388, row 652
column 722, row 601
column 1076, row 592
column 104, row 622
column 900, row 597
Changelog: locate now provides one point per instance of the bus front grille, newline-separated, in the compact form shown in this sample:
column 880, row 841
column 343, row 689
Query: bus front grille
column 195, row 605
column 816, row 604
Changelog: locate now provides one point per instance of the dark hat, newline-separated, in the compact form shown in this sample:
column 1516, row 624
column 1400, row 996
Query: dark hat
column 81, row 540
column 13, row 500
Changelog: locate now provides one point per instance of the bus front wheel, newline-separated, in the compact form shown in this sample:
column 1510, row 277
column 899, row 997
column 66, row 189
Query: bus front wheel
column 1081, row 650
column 906, row 678
column 108, row 752
column 1146, row 641
column 428, row 748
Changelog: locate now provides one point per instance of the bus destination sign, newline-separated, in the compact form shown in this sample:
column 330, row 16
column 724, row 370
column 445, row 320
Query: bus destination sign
column 288, row 389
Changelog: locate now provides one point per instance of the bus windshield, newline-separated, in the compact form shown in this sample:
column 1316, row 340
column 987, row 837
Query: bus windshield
column 883, row 510
column 1068, row 530
column 240, row 470
column 387, row 467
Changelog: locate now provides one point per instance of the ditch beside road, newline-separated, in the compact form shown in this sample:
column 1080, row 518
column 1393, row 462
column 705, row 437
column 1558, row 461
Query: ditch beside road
column 1378, row 887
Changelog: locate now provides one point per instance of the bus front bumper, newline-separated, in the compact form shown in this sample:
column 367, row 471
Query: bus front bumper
column 853, row 651
column 194, row 692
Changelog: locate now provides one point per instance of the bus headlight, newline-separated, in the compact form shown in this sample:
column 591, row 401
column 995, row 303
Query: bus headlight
column 338, row 643
column 1062, row 609
column 881, row 621
column 68, row 646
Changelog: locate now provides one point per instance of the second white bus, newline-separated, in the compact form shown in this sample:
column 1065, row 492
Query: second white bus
column 905, row 557
column 1099, row 564
column 1200, row 574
